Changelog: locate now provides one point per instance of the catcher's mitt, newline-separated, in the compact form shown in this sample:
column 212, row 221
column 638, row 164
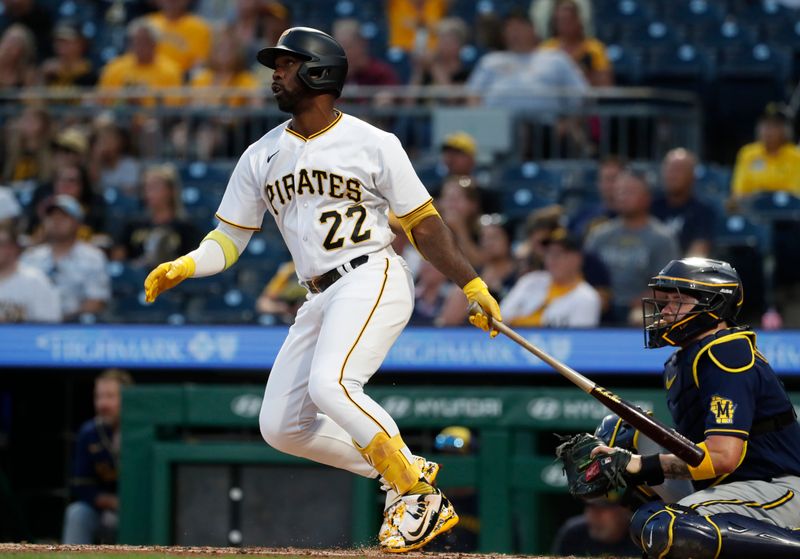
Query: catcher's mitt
column 588, row 477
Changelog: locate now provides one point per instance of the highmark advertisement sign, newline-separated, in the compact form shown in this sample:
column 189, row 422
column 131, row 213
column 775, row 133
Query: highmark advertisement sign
column 611, row 351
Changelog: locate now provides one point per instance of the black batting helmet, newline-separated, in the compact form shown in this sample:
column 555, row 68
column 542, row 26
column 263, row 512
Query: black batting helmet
column 716, row 286
column 324, row 66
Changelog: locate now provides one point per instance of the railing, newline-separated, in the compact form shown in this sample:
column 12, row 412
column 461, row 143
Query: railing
column 637, row 123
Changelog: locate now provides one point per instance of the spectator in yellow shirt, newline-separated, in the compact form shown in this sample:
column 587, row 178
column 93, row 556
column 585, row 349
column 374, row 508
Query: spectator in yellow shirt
column 412, row 23
column 141, row 66
column 226, row 68
column 773, row 162
column 569, row 35
column 183, row 36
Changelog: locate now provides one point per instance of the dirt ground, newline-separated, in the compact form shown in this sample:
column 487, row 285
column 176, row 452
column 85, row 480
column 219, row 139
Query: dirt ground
column 112, row 550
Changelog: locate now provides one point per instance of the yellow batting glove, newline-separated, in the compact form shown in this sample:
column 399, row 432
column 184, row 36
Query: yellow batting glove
column 483, row 307
column 166, row 276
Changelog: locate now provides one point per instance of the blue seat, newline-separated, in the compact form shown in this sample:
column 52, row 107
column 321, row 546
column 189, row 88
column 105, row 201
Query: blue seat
column 400, row 62
column 678, row 12
column 231, row 307
column 626, row 12
column 764, row 12
column 204, row 173
column 133, row 309
column 528, row 186
column 761, row 61
column 784, row 32
column 712, row 182
column 685, row 66
column 126, row 280
column 627, row 62
column 729, row 33
column 648, row 34
column 740, row 231
column 774, row 206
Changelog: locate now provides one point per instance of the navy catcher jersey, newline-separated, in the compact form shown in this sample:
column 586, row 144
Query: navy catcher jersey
column 722, row 385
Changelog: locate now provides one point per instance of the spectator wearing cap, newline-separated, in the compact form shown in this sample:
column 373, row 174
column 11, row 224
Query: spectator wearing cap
column 459, row 150
column 182, row 36
column 363, row 68
column 76, row 268
column 141, row 67
column 73, row 180
column 633, row 246
column 28, row 150
column 69, row 66
column 557, row 296
column 163, row 233
column 772, row 162
column 457, row 158
column 68, row 149
column 691, row 220
column 18, row 58
column 568, row 34
column 523, row 76
column 26, row 295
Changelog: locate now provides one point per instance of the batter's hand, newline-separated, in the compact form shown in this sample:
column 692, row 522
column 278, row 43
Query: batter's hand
column 483, row 308
column 166, row 276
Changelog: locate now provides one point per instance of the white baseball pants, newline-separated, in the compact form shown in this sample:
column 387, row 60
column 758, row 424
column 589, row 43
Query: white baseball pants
column 314, row 403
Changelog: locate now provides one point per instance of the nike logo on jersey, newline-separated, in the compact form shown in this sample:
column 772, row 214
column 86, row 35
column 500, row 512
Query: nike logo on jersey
column 313, row 181
column 271, row 156
column 671, row 380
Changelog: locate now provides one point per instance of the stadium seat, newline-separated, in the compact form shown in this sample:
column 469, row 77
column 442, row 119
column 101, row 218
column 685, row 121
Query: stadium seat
column 678, row 12
column 215, row 174
column 133, row 309
column 681, row 67
column 125, row 279
column 400, row 62
column 627, row 63
column 766, row 12
column 528, row 186
column 231, row 307
column 730, row 33
column 773, row 206
column 626, row 12
column 712, row 182
column 648, row 34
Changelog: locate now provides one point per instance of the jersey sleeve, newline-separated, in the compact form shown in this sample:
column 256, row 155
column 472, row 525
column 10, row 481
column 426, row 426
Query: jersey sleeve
column 397, row 180
column 726, row 381
column 242, row 205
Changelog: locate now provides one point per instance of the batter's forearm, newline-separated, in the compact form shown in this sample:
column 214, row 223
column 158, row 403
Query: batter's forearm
column 674, row 467
column 438, row 245
column 219, row 250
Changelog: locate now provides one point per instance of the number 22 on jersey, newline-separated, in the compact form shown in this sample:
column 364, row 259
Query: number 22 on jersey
column 356, row 214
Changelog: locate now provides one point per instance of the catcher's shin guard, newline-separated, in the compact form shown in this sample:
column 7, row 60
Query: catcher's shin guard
column 392, row 513
column 386, row 456
column 673, row 532
column 423, row 517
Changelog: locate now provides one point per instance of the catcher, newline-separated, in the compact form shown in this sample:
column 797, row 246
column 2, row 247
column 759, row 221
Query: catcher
column 724, row 396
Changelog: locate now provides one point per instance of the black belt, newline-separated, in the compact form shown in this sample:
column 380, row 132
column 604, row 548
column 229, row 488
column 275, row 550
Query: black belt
column 324, row 281
column 774, row 423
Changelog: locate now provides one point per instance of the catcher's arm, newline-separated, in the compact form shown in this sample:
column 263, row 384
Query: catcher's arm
column 722, row 457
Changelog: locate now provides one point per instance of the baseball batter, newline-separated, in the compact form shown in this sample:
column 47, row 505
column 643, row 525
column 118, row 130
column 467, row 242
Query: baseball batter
column 724, row 396
column 329, row 181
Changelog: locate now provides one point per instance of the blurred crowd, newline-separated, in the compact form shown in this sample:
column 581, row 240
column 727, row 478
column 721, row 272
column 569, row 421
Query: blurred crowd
column 84, row 195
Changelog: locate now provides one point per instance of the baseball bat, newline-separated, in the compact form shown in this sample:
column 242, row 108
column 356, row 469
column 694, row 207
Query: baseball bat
column 657, row 431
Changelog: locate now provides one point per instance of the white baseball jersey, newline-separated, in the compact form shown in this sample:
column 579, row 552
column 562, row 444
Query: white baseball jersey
column 329, row 193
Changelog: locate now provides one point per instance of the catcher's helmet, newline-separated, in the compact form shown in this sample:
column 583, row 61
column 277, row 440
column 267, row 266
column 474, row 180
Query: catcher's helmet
column 324, row 66
column 716, row 286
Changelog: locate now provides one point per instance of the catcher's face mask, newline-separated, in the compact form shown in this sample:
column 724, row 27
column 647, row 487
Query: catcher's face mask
column 668, row 317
